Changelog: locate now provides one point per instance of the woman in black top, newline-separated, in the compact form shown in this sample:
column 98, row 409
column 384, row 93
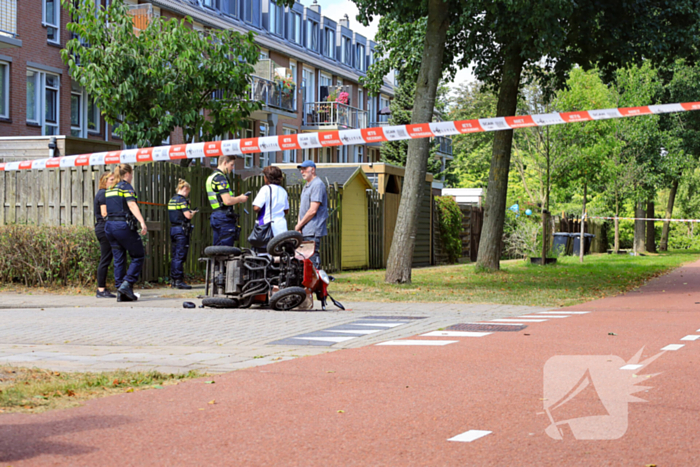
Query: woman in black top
column 105, row 248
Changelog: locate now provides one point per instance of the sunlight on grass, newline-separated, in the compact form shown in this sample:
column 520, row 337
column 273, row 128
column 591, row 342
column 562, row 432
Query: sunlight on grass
column 37, row 390
column 517, row 283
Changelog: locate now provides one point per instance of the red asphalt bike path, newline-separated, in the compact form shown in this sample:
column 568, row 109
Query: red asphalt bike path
column 399, row 405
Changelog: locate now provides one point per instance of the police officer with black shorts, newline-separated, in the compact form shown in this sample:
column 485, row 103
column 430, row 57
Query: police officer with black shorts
column 180, row 214
column 122, row 231
column 224, row 221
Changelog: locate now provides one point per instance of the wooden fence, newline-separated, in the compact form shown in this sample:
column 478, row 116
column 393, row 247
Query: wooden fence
column 65, row 196
column 472, row 222
column 375, row 224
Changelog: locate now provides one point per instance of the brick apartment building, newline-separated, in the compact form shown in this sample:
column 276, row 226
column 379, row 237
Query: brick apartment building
column 320, row 56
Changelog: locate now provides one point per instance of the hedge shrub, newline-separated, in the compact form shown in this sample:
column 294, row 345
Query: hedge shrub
column 450, row 217
column 47, row 255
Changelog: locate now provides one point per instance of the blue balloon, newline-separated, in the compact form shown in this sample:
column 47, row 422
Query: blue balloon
column 515, row 208
column 528, row 212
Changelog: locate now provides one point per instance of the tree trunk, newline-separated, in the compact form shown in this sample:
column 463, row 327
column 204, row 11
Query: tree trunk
column 398, row 269
column 651, row 232
column 616, row 246
column 494, row 214
column 663, row 244
column 582, row 239
column 639, row 228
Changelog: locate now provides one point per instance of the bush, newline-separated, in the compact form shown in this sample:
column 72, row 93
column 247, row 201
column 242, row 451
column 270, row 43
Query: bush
column 48, row 255
column 522, row 238
column 450, row 217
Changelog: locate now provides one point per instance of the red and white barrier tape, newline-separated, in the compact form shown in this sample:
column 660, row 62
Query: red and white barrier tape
column 644, row 219
column 237, row 147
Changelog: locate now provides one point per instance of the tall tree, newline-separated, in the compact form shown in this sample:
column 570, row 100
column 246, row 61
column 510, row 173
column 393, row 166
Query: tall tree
column 507, row 40
column 166, row 76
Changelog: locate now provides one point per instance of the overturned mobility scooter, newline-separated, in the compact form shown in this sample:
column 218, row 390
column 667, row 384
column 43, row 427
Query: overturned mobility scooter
column 279, row 279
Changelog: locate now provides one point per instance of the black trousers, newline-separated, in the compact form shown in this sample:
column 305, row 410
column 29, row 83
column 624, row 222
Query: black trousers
column 105, row 255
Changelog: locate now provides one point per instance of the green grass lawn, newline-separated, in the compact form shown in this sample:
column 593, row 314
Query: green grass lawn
column 517, row 283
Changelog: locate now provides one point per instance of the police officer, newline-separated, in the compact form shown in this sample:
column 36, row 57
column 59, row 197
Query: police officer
column 121, row 229
column 180, row 215
column 224, row 221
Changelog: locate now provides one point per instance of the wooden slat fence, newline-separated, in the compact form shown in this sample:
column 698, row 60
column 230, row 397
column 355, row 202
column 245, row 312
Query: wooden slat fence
column 375, row 217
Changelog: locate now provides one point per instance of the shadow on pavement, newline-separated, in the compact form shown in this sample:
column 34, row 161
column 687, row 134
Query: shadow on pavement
column 28, row 440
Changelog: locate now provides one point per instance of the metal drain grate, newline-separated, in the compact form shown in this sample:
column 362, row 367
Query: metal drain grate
column 485, row 327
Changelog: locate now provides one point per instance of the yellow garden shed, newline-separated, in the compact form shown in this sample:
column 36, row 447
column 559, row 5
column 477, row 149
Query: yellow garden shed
column 352, row 184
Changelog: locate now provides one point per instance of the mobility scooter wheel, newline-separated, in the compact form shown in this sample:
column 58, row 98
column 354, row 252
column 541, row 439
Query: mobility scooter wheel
column 286, row 299
column 220, row 302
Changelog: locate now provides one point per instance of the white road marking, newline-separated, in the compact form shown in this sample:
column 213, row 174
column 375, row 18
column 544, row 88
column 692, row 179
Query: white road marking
column 456, row 334
column 417, row 342
column 380, row 325
column 690, row 338
column 673, row 347
column 324, row 339
column 358, row 331
column 499, row 324
column 563, row 312
column 469, row 436
column 548, row 316
column 513, row 320
column 631, row 367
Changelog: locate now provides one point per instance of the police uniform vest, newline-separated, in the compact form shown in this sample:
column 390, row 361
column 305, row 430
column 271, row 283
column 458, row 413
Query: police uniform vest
column 117, row 198
column 177, row 206
column 217, row 184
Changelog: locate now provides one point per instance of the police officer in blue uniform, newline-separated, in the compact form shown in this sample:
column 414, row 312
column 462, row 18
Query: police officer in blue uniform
column 224, row 221
column 122, row 231
column 180, row 215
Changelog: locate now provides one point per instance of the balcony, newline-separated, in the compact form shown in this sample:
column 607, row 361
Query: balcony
column 278, row 94
column 322, row 116
column 8, row 24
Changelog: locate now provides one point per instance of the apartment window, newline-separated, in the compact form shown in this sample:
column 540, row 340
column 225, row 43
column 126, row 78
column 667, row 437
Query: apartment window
column 295, row 28
column 42, row 100
column 327, row 81
column 289, row 155
column 248, row 10
column 249, row 156
column 309, row 88
column 325, row 155
column 213, row 4
column 93, row 116
column 51, row 19
column 266, row 158
column 4, row 90
column 276, row 17
column 312, row 35
column 329, row 46
column 229, row 7
column 371, row 57
column 76, row 114
column 308, row 154
column 359, row 154
column 342, row 154
column 293, row 68
column 264, row 55
column 361, row 99
column 346, row 51
column 383, row 103
column 360, row 57
column 371, row 110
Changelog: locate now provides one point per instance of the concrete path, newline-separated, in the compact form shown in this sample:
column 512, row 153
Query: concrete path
column 72, row 333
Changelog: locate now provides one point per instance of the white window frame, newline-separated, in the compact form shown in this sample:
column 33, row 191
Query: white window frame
column 289, row 155
column 361, row 99
column 342, row 154
column 310, row 36
column 5, row 77
column 249, row 157
column 346, row 50
column 307, row 154
column 275, row 17
column 265, row 157
column 329, row 43
column 360, row 57
column 309, row 87
column 264, row 54
column 54, row 22
column 79, row 131
column 324, row 76
column 293, row 68
column 40, row 102
column 296, row 28
column 359, row 153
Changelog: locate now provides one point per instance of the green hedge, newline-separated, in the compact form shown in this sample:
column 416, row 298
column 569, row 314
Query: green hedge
column 46, row 255
column 450, row 218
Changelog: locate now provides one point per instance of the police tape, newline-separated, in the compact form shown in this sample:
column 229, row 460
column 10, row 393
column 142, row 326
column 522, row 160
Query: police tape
column 240, row 147
column 643, row 219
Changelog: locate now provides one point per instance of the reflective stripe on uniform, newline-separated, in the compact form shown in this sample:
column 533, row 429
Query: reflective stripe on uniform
column 212, row 192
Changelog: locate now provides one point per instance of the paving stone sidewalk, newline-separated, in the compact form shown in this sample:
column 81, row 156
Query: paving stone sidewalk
column 76, row 333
